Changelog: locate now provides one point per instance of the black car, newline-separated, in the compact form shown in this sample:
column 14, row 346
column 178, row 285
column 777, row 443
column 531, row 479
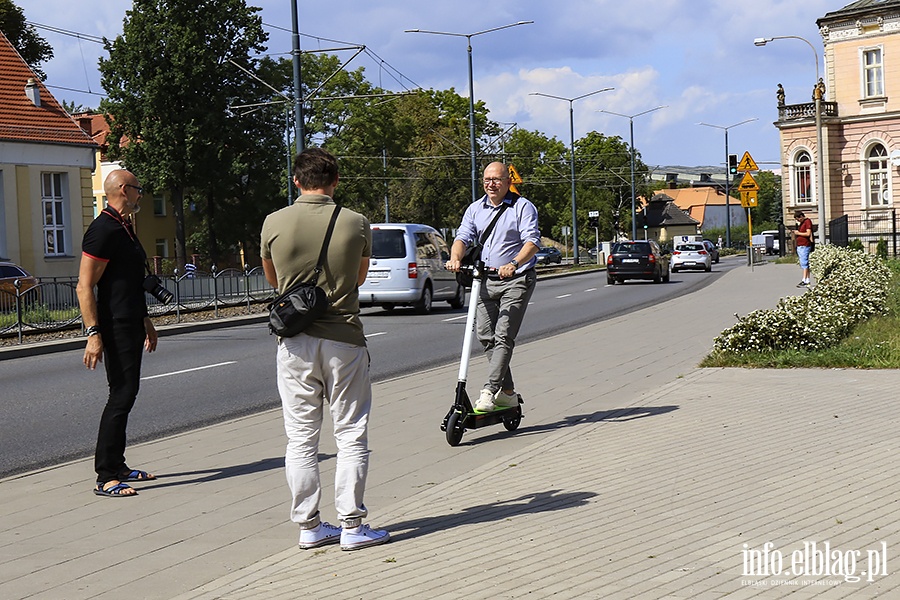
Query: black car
column 637, row 259
column 548, row 255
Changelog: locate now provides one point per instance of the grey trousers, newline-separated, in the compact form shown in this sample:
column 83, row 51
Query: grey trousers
column 498, row 316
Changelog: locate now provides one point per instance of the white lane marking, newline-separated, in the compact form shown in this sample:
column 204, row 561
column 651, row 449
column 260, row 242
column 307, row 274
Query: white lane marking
column 563, row 296
column 231, row 362
column 456, row 318
column 377, row 333
column 591, row 290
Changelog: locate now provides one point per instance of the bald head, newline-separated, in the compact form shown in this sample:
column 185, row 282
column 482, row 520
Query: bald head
column 123, row 192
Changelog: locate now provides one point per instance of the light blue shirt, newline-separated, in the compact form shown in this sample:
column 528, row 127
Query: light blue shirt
column 517, row 225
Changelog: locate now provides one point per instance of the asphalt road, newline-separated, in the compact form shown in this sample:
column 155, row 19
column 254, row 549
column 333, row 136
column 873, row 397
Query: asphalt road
column 50, row 404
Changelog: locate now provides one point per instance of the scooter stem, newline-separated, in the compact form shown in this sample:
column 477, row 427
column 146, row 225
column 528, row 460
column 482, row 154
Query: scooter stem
column 470, row 328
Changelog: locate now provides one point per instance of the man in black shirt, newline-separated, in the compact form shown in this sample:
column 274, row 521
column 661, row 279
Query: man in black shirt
column 117, row 324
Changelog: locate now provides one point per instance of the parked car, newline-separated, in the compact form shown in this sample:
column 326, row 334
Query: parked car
column 548, row 255
column 637, row 259
column 692, row 255
column 712, row 249
column 9, row 272
column 776, row 244
column 407, row 269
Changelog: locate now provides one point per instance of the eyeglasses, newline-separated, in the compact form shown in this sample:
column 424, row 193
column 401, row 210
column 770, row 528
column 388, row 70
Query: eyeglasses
column 492, row 180
column 139, row 189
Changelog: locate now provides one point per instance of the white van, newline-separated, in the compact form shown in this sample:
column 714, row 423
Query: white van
column 407, row 269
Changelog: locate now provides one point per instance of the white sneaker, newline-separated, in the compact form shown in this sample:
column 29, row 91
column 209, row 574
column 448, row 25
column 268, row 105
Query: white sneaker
column 504, row 400
column 321, row 534
column 363, row 537
column 485, row 402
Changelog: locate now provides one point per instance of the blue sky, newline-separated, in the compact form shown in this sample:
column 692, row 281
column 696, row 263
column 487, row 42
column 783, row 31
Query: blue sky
column 696, row 57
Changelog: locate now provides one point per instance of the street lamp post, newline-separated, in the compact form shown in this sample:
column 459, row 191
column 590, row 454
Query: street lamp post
column 820, row 150
column 727, row 178
column 571, row 101
column 631, row 143
column 469, row 36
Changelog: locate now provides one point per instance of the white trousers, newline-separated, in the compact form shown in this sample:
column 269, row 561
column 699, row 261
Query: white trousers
column 312, row 371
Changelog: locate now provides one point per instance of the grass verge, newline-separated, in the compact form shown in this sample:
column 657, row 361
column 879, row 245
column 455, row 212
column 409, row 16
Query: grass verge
column 874, row 344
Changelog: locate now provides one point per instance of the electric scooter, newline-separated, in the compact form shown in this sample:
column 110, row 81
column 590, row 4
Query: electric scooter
column 462, row 415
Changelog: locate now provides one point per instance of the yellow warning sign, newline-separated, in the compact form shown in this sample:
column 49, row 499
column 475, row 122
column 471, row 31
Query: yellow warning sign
column 748, row 184
column 514, row 178
column 747, row 164
column 749, row 199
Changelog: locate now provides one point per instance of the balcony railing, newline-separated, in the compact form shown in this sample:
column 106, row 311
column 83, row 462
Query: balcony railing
column 795, row 112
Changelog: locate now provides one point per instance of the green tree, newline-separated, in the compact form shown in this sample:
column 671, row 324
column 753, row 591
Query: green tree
column 170, row 82
column 32, row 47
column 767, row 213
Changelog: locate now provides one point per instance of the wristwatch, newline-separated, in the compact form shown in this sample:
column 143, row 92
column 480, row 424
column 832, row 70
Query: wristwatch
column 92, row 330
column 514, row 263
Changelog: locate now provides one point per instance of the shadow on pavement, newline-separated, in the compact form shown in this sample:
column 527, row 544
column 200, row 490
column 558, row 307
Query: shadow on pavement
column 207, row 475
column 538, row 502
column 616, row 415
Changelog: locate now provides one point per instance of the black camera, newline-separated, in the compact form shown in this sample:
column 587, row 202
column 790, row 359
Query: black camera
column 154, row 287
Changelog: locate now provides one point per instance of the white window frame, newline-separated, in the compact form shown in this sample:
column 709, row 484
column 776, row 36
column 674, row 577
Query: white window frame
column 164, row 244
column 871, row 74
column 877, row 166
column 53, row 213
column 797, row 167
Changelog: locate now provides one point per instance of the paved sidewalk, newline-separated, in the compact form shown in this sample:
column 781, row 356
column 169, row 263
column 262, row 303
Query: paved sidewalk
column 634, row 475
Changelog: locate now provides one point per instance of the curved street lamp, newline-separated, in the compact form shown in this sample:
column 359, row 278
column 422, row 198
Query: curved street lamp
column 820, row 151
column 728, row 178
column 572, row 157
column 469, row 36
column 631, row 143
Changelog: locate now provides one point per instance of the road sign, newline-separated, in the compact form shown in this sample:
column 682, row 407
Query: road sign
column 514, row 176
column 747, row 164
column 748, row 184
column 749, row 199
column 593, row 213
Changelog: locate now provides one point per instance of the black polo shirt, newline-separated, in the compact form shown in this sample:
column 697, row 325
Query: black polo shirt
column 120, row 291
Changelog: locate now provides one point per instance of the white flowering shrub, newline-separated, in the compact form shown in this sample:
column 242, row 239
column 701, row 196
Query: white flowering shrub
column 851, row 286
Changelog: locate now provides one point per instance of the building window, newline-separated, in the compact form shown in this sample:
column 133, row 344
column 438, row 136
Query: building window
column 873, row 73
column 877, row 176
column 159, row 206
column 53, row 204
column 803, row 180
column 162, row 248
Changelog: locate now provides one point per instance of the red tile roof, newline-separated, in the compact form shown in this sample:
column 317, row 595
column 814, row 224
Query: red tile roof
column 20, row 119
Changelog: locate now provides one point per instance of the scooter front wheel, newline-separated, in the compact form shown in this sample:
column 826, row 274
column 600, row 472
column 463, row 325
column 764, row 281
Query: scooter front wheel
column 455, row 428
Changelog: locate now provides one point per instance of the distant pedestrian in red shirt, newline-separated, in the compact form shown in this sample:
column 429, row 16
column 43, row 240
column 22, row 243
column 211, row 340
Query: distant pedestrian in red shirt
column 802, row 239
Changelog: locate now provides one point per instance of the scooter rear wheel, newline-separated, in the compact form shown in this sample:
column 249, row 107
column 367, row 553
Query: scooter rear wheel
column 512, row 422
column 455, row 428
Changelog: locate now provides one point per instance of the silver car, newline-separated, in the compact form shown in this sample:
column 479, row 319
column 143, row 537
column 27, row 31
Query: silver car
column 691, row 255
column 407, row 269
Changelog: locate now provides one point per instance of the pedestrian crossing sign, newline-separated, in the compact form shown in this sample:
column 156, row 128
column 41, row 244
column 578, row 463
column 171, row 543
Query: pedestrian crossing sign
column 747, row 164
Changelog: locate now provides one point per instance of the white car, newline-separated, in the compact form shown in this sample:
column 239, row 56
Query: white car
column 775, row 244
column 691, row 255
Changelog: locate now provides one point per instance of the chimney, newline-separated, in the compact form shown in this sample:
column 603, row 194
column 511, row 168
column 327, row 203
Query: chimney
column 33, row 92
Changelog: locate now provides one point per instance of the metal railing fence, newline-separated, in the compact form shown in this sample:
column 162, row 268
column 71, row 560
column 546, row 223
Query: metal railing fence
column 52, row 305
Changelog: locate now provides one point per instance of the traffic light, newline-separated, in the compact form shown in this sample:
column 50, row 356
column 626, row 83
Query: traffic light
column 732, row 164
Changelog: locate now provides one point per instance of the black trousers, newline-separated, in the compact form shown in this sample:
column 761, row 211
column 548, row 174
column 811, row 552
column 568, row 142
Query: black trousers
column 123, row 345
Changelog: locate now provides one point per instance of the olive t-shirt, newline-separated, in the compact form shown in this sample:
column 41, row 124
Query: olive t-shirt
column 292, row 238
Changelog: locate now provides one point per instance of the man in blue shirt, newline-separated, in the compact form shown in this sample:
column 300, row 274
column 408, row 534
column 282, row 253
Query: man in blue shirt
column 508, row 255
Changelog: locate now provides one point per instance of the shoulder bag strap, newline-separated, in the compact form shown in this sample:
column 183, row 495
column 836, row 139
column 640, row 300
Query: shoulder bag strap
column 324, row 250
column 490, row 227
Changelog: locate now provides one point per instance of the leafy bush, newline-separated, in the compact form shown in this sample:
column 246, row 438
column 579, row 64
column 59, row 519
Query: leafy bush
column 881, row 249
column 856, row 244
column 850, row 287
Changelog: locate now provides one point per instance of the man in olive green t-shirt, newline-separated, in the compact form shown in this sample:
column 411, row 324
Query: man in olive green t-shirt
column 328, row 362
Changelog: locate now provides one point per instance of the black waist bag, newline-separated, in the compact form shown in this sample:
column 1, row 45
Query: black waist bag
column 294, row 311
column 297, row 308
